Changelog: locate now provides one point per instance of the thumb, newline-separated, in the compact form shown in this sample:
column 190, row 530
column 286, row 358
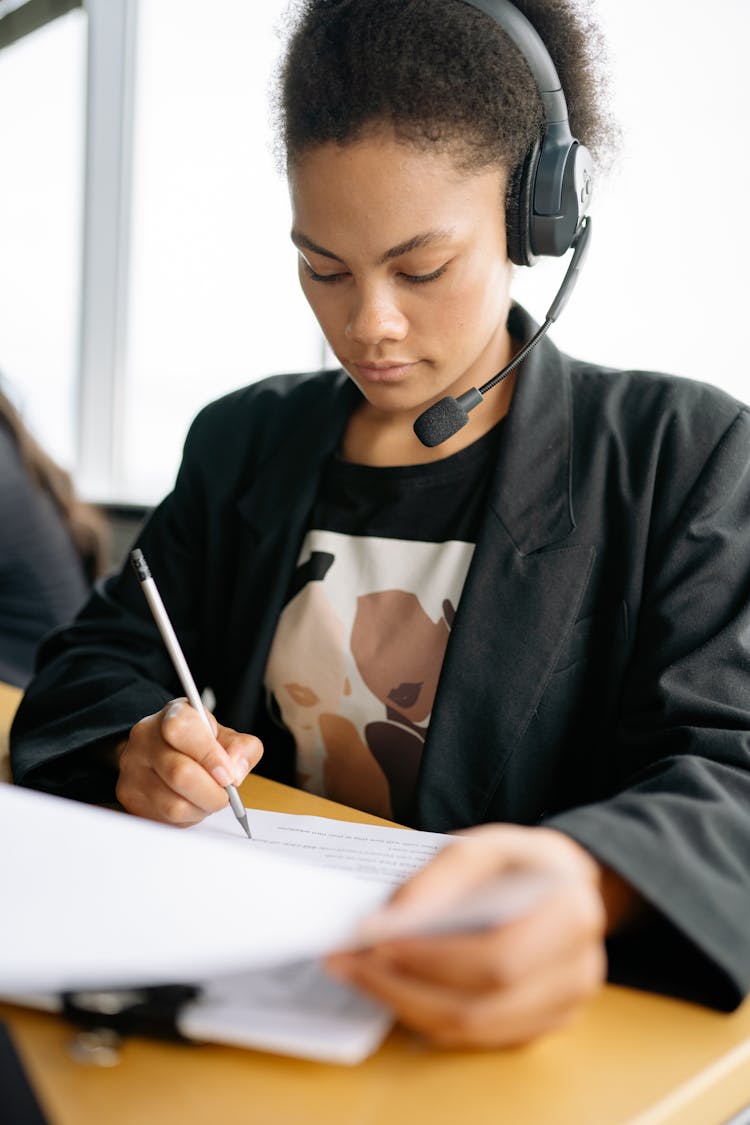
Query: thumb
column 486, row 874
column 244, row 751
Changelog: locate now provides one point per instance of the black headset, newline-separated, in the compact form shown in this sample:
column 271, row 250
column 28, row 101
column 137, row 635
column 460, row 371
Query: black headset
column 546, row 209
column 550, row 190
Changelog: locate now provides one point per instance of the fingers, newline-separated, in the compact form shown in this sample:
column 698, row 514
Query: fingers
column 142, row 792
column 244, row 751
column 489, row 850
column 503, row 983
column 474, row 862
column 499, row 1017
column 185, row 729
column 566, row 918
column 175, row 767
column 227, row 755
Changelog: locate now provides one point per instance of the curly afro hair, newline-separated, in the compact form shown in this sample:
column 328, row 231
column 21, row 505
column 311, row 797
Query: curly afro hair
column 440, row 73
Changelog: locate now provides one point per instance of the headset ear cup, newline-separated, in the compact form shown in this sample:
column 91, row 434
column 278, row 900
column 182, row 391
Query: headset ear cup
column 518, row 208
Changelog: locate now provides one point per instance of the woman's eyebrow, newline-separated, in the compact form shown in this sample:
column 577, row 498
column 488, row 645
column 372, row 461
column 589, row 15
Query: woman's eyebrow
column 414, row 243
column 303, row 242
column 417, row 242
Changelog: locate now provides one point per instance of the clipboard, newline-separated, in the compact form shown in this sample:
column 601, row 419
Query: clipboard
column 294, row 1009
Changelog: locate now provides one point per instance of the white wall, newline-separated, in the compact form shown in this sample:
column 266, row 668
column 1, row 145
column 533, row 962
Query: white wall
column 666, row 282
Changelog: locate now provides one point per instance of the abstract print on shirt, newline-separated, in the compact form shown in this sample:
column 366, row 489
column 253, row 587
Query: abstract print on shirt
column 356, row 659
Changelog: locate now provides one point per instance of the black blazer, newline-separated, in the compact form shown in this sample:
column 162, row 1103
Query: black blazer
column 597, row 678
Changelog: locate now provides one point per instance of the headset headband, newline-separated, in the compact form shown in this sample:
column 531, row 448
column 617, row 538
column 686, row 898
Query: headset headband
column 548, row 195
column 550, row 192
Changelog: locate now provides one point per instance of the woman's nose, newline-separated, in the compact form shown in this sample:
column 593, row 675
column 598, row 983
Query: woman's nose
column 375, row 316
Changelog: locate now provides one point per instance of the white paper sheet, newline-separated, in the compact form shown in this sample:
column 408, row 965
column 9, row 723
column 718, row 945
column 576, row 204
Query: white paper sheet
column 92, row 897
column 97, row 899
column 371, row 852
column 292, row 1009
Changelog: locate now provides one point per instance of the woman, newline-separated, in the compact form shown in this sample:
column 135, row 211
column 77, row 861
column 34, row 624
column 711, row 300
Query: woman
column 536, row 630
column 51, row 547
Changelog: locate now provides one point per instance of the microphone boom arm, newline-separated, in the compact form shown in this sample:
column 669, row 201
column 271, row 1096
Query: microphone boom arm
column 446, row 417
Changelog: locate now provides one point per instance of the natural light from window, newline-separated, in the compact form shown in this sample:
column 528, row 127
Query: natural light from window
column 213, row 300
column 42, row 115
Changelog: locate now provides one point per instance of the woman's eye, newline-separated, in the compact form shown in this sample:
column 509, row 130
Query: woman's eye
column 333, row 278
column 326, row 278
column 420, row 278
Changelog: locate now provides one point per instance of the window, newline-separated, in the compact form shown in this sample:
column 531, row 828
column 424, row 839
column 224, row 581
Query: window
column 189, row 280
column 213, row 298
column 42, row 114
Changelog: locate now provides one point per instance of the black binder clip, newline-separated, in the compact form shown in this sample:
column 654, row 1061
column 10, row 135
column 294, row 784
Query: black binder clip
column 152, row 1012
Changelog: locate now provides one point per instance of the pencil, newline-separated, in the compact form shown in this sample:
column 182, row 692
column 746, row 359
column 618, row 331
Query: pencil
column 164, row 625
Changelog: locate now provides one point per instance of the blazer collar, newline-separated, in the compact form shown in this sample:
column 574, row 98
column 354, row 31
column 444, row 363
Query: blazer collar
column 521, row 598
column 287, row 480
column 535, row 451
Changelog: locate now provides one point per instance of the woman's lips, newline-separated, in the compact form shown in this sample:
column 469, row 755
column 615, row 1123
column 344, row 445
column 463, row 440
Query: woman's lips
column 384, row 373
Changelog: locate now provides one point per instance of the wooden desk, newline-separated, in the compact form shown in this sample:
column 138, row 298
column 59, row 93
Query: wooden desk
column 10, row 697
column 630, row 1058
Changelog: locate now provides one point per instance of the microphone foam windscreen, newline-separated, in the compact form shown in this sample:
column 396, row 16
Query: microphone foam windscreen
column 440, row 422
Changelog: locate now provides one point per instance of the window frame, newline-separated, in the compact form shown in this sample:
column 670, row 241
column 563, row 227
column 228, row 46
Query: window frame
column 108, row 179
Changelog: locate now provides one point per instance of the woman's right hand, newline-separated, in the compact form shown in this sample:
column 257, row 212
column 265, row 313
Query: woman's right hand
column 172, row 770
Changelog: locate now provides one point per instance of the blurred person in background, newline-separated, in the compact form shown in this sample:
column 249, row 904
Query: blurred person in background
column 52, row 546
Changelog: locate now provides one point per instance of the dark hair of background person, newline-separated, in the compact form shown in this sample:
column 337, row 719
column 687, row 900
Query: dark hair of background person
column 441, row 73
column 85, row 525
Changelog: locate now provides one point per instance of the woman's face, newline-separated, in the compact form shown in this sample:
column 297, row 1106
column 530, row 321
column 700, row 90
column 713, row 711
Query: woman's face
column 403, row 259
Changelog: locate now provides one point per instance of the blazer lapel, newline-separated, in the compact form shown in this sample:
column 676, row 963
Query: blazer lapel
column 521, row 597
column 274, row 512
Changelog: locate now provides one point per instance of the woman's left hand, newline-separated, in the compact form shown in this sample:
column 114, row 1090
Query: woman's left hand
column 497, row 986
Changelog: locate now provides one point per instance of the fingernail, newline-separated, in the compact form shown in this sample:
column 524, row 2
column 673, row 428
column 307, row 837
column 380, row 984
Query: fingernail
column 222, row 776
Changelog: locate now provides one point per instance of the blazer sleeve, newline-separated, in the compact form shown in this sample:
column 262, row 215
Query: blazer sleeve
column 677, row 827
column 98, row 676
